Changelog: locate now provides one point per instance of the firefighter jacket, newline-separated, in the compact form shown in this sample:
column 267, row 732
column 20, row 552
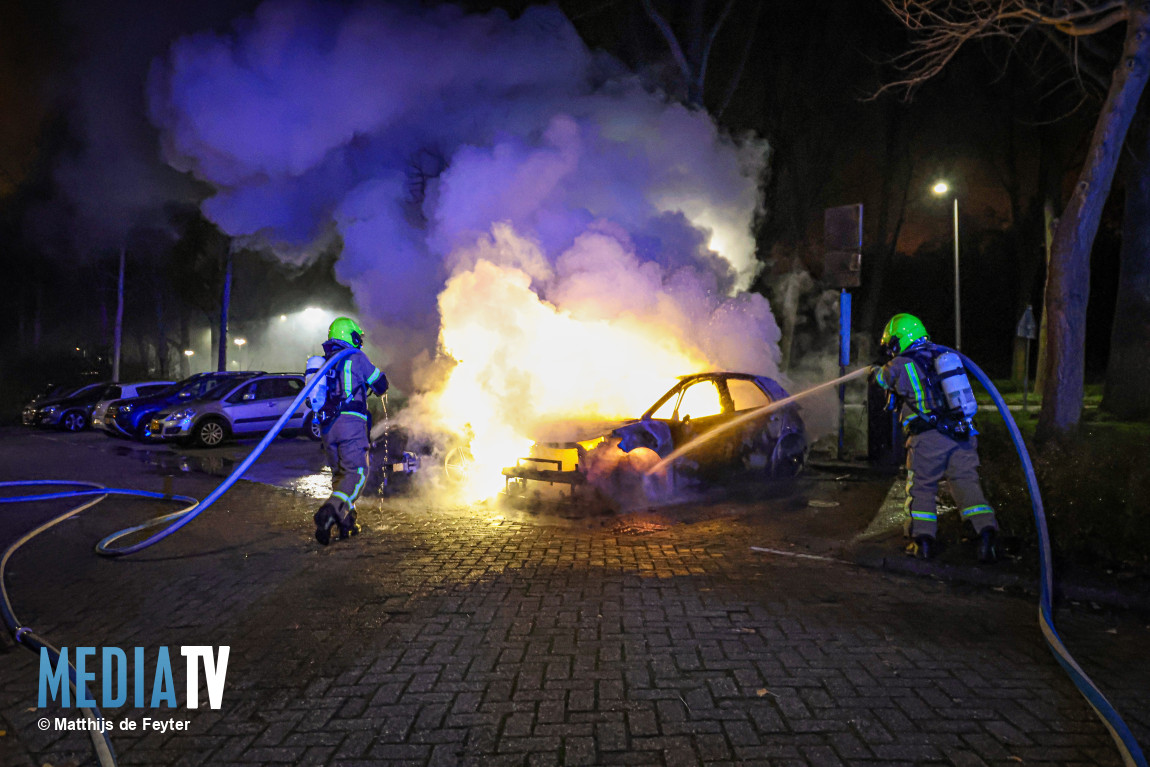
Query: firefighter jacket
column 351, row 382
column 910, row 377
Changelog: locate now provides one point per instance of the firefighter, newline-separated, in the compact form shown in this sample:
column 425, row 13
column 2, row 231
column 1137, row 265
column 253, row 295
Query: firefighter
column 937, row 406
column 344, row 428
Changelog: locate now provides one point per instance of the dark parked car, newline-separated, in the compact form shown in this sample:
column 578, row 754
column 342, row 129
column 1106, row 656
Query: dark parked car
column 132, row 417
column 772, row 444
column 70, row 411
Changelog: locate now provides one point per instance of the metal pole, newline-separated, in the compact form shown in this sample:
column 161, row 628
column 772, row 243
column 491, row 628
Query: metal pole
column 119, row 332
column 844, row 361
column 1026, row 376
column 957, row 305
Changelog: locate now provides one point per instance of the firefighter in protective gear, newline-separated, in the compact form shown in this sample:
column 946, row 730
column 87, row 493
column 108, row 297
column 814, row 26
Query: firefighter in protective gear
column 344, row 428
column 941, row 441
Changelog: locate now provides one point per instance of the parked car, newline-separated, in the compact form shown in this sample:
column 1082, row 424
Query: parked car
column 251, row 406
column 772, row 445
column 125, row 391
column 53, row 392
column 132, row 418
column 72, row 411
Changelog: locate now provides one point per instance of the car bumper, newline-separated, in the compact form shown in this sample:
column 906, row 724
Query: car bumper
column 167, row 429
column 48, row 419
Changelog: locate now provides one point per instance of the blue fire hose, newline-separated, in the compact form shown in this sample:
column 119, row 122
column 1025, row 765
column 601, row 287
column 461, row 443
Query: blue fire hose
column 1123, row 738
column 170, row 523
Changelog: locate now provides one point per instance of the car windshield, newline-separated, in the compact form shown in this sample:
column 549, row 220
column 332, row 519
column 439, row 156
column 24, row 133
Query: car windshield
column 82, row 390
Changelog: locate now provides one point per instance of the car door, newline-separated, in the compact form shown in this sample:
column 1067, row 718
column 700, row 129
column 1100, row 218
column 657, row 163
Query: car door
column 281, row 393
column 700, row 408
column 244, row 408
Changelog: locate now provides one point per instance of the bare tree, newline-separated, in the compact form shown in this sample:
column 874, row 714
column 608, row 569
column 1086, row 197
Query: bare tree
column 1126, row 392
column 693, row 56
column 941, row 28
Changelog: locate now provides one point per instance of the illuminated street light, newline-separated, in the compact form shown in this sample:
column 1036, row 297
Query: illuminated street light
column 189, row 353
column 940, row 189
column 283, row 318
column 240, row 341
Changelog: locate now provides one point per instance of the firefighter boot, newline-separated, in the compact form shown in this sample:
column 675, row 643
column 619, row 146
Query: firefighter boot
column 349, row 526
column 922, row 547
column 325, row 519
column 988, row 546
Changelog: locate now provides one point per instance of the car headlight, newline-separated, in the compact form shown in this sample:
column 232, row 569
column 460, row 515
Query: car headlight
column 50, row 410
column 187, row 412
column 125, row 408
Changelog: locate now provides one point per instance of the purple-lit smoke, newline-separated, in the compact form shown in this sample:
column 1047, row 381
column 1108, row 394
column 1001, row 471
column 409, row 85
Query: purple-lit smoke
column 472, row 165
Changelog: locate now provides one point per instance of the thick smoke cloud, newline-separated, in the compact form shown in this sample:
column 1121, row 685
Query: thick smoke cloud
column 415, row 129
column 486, row 176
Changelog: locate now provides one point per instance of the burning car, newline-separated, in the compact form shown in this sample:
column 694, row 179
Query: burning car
column 726, row 415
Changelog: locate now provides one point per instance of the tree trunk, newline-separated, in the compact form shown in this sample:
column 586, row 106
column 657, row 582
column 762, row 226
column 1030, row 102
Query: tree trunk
column 1049, row 222
column 185, row 344
column 1126, row 392
column 225, row 300
column 118, row 334
column 897, row 164
column 1068, row 281
column 38, row 313
column 161, row 335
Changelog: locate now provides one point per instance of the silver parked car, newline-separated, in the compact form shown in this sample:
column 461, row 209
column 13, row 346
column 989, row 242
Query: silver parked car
column 251, row 406
column 125, row 391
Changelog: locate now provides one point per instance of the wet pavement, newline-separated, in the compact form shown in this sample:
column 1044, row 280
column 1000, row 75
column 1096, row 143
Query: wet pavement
column 455, row 634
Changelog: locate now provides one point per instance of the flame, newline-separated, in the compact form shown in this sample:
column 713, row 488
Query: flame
column 522, row 361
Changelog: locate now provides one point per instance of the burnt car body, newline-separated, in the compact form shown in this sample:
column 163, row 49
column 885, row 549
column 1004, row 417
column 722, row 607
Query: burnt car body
column 775, row 443
column 745, row 435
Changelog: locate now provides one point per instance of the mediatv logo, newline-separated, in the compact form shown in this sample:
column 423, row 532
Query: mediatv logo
column 113, row 663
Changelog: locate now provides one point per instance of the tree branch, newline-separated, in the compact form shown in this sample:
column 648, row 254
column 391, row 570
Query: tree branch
column 943, row 27
column 702, row 77
column 672, row 41
column 733, row 85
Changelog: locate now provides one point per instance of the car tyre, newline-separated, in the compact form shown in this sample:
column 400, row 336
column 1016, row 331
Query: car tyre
column 73, row 420
column 457, row 464
column 311, row 427
column 790, row 457
column 210, row 432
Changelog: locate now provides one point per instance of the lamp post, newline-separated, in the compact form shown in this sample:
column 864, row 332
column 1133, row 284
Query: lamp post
column 940, row 189
column 239, row 342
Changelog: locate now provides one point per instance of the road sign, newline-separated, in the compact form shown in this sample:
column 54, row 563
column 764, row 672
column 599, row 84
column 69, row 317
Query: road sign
column 842, row 245
column 1027, row 327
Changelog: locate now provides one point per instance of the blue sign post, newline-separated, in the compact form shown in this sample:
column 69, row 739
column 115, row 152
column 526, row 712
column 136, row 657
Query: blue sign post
column 844, row 362
column 842, row 239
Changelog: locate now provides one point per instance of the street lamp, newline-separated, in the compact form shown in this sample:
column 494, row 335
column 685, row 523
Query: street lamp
column 240, row 341
column 189, row 353
column 940, row 189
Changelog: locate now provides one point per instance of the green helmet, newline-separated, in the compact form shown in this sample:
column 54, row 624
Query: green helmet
column 346, row 329
column 902, row 332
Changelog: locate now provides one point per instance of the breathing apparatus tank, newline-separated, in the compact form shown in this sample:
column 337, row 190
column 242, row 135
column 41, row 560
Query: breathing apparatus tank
column 954, row 384
column 318, row 396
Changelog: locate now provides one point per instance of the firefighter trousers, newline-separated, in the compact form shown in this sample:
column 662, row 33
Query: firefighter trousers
column 931, row 457
column 346, row 444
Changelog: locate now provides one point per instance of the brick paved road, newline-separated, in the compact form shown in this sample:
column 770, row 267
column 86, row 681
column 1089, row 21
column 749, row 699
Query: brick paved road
column 455, row 636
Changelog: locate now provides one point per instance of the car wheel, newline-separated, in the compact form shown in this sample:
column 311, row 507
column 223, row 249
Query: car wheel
column 311, row 427
column 73, row 420
column 457, row 464
column 790, row 456
column 210, row 432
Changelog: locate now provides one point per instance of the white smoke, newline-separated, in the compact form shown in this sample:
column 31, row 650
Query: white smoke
column 466, row 158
